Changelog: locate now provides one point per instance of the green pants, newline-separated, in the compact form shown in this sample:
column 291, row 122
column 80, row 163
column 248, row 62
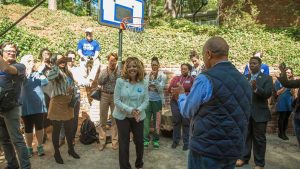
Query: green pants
column 152, row 109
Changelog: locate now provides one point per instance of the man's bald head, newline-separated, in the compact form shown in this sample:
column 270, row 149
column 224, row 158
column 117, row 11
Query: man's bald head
column 217, row 45
column 215, row 50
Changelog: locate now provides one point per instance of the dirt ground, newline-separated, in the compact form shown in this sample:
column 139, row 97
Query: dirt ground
column 280, row 155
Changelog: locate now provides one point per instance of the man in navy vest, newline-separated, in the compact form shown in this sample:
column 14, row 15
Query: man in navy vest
column 219, row 108
column 262, row 86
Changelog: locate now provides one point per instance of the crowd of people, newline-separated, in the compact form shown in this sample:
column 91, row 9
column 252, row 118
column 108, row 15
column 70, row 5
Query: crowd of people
column 220, row 114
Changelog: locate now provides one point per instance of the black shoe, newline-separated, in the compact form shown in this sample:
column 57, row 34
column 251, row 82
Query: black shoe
column 281, row 136
column 285, row 137
column 185, row 147
column 73, row 154
column 11, row 168
column 174, row 145
column 58, row 158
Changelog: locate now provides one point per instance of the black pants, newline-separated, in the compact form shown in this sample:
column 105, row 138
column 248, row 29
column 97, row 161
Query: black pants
column 68, row 125
column 179, row 122
column 124, row 128
column 35, row 120
column 256, row 136
column 283, row 122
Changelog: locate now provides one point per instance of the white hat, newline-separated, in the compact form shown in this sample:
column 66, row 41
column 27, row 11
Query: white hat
column 90, row 30
column 258, row 54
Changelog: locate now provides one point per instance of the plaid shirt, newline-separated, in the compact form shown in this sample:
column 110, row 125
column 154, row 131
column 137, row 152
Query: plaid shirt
column 108, row 80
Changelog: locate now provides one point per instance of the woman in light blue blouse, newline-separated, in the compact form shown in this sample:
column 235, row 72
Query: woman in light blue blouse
column 33, row 107
column 131, row 99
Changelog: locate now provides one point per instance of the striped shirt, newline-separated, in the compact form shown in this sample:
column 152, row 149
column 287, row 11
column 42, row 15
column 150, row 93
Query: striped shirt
column 61, row 87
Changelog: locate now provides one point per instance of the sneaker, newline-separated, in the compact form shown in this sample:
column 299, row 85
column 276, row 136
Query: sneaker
column 146, row 144
column 30, row 151
column 174, row 145
column 185, row 147
column 40, row 150
column 156, row 144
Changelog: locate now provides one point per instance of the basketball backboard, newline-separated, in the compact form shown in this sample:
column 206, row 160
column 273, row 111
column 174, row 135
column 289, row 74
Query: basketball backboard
column 113, row 11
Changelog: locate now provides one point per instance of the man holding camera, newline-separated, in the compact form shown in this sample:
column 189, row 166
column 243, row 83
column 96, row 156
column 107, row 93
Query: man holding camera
column 12, row 75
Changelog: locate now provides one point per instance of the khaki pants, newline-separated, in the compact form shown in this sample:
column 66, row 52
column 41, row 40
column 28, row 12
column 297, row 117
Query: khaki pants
column 107, row 101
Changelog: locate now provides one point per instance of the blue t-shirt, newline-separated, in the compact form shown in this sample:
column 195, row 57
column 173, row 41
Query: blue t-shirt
column 88, row 48
column 284, row 100
column 264, row 69
column 33, row 96
column 7, row 79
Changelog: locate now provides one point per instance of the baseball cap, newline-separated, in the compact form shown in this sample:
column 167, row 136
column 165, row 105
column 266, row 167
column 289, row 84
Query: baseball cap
column 88, row 30
column 258, row 54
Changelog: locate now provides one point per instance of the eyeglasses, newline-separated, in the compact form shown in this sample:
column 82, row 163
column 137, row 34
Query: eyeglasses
column 10, row 51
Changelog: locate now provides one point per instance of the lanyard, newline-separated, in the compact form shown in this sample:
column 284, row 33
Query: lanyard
column 181, row 82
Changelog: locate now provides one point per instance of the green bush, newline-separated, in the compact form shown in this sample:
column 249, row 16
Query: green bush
column 27, row 43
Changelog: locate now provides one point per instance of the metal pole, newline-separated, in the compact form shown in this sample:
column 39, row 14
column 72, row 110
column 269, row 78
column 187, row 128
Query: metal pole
column 19, row 20
column 120, row 50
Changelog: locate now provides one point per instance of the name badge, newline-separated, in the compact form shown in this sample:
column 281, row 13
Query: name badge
column 188, row 81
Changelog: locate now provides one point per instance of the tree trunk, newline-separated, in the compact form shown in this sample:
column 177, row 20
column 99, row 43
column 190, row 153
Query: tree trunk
column 2, row 1
column 52, row 5
column 170, row 8
column 149, row 9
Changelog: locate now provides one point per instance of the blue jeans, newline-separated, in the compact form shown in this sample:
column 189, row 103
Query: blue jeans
column 297, row 129
column 178, row 123
column 197, row 161
column 10, row 135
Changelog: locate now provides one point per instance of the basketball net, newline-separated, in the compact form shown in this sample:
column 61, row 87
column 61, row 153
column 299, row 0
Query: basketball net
column 134, row 27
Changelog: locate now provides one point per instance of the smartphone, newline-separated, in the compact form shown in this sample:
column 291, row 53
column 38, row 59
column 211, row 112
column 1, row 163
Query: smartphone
column 69, row 59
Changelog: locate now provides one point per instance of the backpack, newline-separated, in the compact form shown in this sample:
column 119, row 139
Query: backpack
column 8, row 97
column 88, row 133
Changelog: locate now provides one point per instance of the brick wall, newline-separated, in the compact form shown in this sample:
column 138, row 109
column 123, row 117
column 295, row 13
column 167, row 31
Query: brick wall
column 279, row 13
column 272, row 125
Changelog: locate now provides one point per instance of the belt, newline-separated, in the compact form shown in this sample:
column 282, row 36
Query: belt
column 107, row 92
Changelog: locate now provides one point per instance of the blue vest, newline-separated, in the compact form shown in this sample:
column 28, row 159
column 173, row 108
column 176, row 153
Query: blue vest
column 219, row 128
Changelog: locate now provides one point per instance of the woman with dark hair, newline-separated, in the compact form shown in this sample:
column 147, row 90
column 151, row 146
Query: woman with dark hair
column 179, row 121
column 131, row 99
column 59, row 110
column 283, row 79
column 284, row 105
column 156, row 84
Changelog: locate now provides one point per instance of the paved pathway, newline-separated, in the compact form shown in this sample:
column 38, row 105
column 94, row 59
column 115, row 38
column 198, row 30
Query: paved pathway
column 280, row 155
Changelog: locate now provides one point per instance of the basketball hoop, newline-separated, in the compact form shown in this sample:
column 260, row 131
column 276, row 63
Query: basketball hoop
column 134, row 26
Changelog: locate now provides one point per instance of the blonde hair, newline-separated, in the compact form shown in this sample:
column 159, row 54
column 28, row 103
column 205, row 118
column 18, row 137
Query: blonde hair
column 140, row 67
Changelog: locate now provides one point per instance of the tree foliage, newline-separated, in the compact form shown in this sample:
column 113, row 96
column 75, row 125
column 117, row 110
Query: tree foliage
column 169, row 39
